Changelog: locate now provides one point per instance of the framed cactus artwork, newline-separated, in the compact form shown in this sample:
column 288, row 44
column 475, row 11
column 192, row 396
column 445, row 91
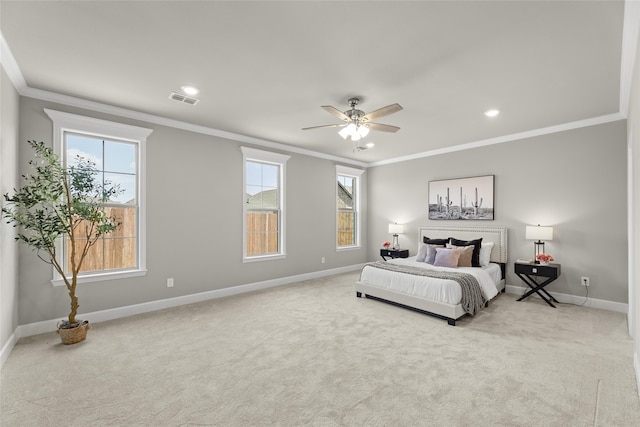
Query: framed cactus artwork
column 462, row 198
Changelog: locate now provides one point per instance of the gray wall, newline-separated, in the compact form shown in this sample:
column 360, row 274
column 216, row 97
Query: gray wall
column 194, row 222
column 574, row 181
column 9, row 102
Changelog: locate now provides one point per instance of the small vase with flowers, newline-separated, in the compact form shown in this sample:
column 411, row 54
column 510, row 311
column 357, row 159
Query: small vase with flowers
column 544, row 259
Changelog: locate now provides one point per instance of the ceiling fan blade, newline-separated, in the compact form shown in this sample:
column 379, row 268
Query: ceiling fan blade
column 381, row 112
column 333, row 110
column 383, row 128
column 325, row 126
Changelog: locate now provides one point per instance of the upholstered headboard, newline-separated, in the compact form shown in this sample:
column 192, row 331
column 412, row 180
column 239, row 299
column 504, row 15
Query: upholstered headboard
column 497, row 235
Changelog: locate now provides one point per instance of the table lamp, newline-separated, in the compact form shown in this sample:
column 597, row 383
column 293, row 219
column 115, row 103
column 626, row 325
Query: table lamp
column 539, row 234
column 396, row 229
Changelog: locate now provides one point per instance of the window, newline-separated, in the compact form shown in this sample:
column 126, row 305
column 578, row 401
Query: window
column 348, row 207
column 263, row 204
column 118, row 153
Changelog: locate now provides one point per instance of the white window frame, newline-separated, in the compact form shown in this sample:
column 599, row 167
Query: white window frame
column 280, row 160
column 356, row 174
column 66, row 122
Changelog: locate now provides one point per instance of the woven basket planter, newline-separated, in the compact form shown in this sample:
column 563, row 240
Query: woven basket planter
column 74, row 335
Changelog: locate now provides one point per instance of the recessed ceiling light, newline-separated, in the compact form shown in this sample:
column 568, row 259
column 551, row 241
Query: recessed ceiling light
column 370, row 144
column 190, row 90
column 492, row 113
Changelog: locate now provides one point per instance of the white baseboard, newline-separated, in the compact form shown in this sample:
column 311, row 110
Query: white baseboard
column 618, row 307
column 130, row 310
column 116, row 313
column 7, row 348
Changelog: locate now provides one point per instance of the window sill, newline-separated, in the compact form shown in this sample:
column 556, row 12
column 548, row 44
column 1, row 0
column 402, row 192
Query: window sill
column 103, row 277
column 348, row 248
column 264, row 258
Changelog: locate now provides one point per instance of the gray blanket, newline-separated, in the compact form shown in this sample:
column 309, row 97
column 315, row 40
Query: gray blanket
column 472, row 298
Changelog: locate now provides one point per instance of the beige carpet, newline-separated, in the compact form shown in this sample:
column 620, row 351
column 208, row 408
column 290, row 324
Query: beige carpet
column 314, row 354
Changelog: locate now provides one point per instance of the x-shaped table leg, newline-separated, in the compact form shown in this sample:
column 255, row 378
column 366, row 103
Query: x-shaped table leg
column 538, row 288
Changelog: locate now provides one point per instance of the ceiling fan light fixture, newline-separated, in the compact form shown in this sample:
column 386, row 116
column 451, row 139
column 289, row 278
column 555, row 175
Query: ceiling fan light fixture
column 357, row 124
column 363, row 131
column 349, row 131
column 344, row 132
column 354, row 132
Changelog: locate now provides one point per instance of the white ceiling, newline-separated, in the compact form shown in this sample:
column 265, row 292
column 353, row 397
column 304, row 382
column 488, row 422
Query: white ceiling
column 265, row 68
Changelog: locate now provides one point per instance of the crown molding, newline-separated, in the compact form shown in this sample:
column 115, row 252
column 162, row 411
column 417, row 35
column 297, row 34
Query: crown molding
column 8, row 62
column 177, row 124
column 507, row 138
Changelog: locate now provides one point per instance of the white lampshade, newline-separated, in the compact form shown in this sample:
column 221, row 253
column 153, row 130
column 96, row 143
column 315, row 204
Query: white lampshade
column 363, row 130
column 536, row 232
column 354, row 132
column 348, row 131
column 396, row 228
column 344, row 132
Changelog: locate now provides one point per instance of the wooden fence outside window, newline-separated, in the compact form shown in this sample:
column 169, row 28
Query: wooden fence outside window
column 115, row 250
column 118, row 250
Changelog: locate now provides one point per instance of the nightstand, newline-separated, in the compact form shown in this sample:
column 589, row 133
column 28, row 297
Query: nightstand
column 529, row 273
column 394, row 253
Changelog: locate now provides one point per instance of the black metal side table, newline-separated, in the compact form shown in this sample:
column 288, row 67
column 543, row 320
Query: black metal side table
column 394, row 253
column 528, row 273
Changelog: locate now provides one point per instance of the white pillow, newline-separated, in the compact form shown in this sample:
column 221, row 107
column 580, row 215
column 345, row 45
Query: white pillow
column 485, row 253
column 422, row 252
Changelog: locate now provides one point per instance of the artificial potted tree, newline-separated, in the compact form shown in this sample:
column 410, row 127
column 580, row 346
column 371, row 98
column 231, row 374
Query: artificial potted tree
column 62, row 202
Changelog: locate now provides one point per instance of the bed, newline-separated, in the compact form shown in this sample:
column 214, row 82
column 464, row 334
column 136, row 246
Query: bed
column 408, row 282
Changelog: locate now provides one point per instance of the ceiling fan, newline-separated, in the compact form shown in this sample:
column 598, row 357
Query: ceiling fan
column 356, row 123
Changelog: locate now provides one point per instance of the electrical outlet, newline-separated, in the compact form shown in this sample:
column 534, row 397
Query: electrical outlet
column 584, row 281
column 323, row 260
column 170, row 282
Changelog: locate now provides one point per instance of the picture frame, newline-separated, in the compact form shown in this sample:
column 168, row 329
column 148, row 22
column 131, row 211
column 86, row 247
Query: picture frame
column 462, row 198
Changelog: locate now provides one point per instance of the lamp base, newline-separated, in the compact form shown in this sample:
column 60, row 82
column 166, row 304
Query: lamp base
column 538, row 249
column 396, row 245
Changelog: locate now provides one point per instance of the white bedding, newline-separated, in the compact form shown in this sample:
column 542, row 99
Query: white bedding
column 439, row 290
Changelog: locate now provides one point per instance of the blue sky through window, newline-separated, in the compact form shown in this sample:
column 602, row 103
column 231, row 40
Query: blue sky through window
column 261, row 177
column 117, row 160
